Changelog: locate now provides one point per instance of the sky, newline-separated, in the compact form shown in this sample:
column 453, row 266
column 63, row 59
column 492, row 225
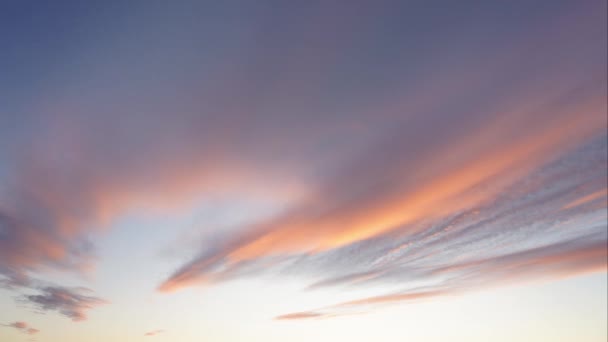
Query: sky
column 303, row 171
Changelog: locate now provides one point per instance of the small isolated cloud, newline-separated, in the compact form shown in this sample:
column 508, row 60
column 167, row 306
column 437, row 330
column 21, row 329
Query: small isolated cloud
column 300, row 315
column 70, row 302
column 154, row 332
column 23, row 327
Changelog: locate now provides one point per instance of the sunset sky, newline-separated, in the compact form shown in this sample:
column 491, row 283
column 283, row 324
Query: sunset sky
column 303, row 171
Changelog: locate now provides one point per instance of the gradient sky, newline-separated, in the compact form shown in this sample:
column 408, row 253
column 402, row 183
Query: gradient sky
column 303, row 171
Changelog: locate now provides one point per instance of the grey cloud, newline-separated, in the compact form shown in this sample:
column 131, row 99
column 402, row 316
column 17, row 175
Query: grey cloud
column 70, row 302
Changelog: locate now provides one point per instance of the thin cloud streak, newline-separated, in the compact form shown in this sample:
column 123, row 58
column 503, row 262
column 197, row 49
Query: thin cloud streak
column 154, row 332
column 299, row 315
column 587, row 199
column 23, row 327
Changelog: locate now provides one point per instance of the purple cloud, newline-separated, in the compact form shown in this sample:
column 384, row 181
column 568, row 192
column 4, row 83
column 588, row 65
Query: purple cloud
column 70, row 302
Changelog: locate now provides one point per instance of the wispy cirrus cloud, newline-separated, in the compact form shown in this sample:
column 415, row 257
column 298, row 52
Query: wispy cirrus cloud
column 487, row 179
column 354, row 209
column 23, row 327
column 565, row 259
column 527, row 232
column 300, row 315
column 154, row 332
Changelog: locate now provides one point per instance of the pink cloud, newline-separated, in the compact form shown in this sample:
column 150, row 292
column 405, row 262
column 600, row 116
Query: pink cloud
column 70, row 302
column 154, row 332
column 23, row 327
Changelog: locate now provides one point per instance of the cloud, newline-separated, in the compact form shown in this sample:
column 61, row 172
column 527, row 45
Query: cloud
column 586, row 199
column 352, row 278
column 370, row 198
column 300, row 315
column 386, row 157
column 543, row 263
column 23, row 327
column 154, row 332
column 70, row 302
column 521, row 234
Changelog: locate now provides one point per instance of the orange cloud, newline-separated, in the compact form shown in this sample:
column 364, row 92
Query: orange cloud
column 452, row 178
column 586, row 199
column 300, row 315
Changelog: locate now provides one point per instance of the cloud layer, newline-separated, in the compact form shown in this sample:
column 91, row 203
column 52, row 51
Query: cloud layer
column 529, row 231
column 442, row 155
